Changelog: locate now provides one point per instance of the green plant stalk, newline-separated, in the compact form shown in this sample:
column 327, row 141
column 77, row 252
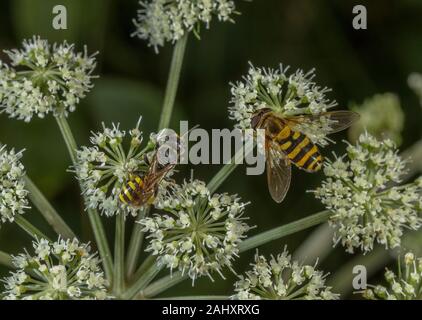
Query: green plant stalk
column 285, row 230
column 119, row 256
column 316, row 246
column 94, row 218
column 135, row 245
column 166, row 113
column 146, row 264
column 102, row 244
column 6, row 260
column 29, row 228
column 47, row 210
column 143, row 276
column 167, row 282
column 221, row 176
column 173, row 82
column 144, row 280
column 162, row 284
column 68, row 137
column 228, row 168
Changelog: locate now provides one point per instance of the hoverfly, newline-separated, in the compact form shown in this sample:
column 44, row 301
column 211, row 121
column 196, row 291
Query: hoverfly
column 139, row 191
column 286, row 144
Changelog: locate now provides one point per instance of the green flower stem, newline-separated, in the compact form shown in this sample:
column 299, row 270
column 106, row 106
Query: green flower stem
column 135, row 245
column 197, row 298
column 93, row 215
column 146, row 264
column 47, row 210
column 68, row 137
column 102, row 244
column 29, row 228
column 227, row 169
column 164, row 283
column 284, row 230
column 145, row 279
column 317, row 246
column 173, row 82
column 119, row 256
column 166, row 112
column 6, row 260
column 221, row 176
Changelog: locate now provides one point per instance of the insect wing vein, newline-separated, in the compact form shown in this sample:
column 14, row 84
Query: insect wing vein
column 278, row 173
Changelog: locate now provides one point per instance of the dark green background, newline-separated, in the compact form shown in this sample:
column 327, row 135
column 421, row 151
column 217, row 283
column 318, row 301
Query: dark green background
column 300, row 33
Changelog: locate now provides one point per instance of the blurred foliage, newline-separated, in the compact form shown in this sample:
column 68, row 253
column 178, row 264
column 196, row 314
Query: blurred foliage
column 301, row 33
column 381, row 116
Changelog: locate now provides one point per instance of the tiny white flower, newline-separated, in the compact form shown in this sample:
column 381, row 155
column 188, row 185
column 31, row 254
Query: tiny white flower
column 406, row 285
column 13, row 193
column 286, row 95
column 366, row 208
column 44, row 79
column 77, row 277
column 280, row 278
column 195, row 242
column 105, row 167
column 162, row 21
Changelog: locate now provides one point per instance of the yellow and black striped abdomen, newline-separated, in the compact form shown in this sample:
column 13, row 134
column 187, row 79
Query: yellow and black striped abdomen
column 299, row 149
column 132, row 190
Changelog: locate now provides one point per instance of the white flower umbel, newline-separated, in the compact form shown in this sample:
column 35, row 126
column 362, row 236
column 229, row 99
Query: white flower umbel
column 405, row 285
column 105, row 167
column 280, row 278
column 200, row 232
column 161, row 21
column 64, row 270
column 44, row 78
column 286, row 94
column 380, row 115
column 366, row 207
column 415, row 82
column 13, row 194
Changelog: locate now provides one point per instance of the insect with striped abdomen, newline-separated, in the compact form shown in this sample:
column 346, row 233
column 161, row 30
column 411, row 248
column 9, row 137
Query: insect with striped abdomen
column 285, row 144
column 141, row 190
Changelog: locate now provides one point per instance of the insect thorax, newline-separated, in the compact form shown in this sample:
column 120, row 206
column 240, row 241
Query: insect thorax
column 274, row 127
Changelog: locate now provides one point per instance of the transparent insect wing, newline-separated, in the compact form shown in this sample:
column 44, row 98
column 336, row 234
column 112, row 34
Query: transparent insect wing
column 278, row 173
column 338, row 120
